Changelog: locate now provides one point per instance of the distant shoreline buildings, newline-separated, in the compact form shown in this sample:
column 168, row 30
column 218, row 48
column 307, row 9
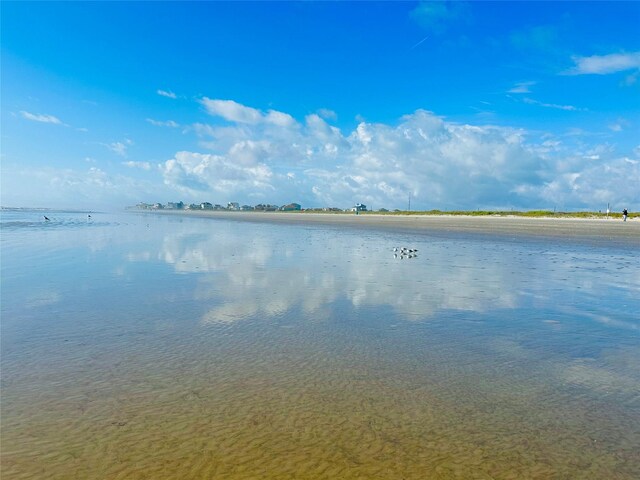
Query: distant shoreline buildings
column 360, row 207
column 236, row 207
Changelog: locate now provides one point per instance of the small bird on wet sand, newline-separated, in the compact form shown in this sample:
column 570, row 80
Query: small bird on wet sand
column 405, row 252
column 46, row 219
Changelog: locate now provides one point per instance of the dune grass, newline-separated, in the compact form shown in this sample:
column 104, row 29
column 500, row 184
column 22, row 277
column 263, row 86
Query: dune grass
column 497, row 213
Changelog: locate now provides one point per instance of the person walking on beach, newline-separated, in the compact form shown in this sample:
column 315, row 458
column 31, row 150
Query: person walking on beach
column 624, row 215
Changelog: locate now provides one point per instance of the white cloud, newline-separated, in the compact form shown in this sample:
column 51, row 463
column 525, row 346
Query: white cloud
column 195, row 173
column 278, row 118
column 119, row 148
column 158, row 123
column 142, row 165
column 238, row 113
column 569, row 108
column 38, row 117
column 596, row 183
column 619, row 125
column 327, row 114
column 441, row 164
column 167, row 93
column 81, row 188
column 522, row 87
column 605, row 64
column 232, row 111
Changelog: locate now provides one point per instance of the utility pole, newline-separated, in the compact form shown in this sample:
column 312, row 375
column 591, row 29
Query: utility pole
column 409, row 209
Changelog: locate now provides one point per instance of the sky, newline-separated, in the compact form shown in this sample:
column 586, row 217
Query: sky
column 446, row 105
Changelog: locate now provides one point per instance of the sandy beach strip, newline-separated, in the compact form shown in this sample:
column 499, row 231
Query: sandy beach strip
column 600, row 230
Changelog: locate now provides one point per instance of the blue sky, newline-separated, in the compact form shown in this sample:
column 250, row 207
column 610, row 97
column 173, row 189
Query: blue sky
column 459, row 105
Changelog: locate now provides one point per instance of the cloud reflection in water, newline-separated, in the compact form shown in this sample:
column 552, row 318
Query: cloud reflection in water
column 262, row 270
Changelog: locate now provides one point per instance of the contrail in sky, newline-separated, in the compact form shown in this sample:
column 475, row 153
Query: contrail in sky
column 419, row 42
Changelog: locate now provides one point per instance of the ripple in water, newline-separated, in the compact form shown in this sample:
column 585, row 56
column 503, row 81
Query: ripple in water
column 211, row 349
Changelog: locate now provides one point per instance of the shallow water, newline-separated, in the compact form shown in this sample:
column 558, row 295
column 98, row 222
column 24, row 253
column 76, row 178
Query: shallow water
column 144, row 346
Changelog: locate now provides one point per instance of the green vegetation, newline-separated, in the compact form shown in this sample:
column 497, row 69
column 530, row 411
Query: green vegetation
column 499, row 213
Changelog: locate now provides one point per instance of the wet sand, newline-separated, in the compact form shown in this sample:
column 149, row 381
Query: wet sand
column 598, row 230
column 197, row 348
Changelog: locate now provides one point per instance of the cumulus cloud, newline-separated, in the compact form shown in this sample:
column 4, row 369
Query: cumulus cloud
column 167, row 93
column 238, row 113
column 238, row 173
column 274, row 158
column 39, row 117
column 232, row 111
column 442, row 164
column 596, row 183
column 605, row 64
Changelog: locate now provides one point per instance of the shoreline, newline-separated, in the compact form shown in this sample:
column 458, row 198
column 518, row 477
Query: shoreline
column 600, row 230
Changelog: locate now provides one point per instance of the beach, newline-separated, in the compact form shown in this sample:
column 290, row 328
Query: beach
column 599, row 230
column 245, row 345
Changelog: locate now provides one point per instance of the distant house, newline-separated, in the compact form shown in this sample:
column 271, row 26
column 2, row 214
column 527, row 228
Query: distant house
column 158, row 206
column 206, row 206
column 193, row 206
column 360, row 207
column 175, row 205
column 246, row 208
column 291, row 207
column 233, row 206
column 265, row 208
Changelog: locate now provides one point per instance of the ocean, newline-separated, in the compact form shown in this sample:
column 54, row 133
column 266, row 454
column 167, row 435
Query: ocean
column 137, row 345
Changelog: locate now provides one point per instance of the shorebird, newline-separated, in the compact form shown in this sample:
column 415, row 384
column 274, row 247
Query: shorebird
column 405, row 252
column 46, row 218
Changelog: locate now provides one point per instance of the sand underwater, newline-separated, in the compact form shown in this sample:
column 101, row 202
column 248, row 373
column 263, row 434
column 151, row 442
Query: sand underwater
column 170, row 346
